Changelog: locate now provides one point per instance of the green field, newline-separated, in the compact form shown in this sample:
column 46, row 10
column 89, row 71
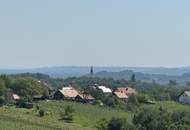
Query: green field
column 170, row 106
column 85, row 117
column 22, row 119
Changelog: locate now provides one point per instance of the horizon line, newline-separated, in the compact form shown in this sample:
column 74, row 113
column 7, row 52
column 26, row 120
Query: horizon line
column 96, row 66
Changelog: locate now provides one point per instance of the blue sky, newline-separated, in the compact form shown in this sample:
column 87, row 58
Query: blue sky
column 101, row 32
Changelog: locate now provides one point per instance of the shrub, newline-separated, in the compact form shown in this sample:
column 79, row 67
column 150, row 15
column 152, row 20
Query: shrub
column 133, row 103
column 37, row 107
column 2, row 101
column 160, row 119
column 102, row 124
column 41, row 113
column 68, row 114
column 21, row 103
column 120, row 124
column 142, row 98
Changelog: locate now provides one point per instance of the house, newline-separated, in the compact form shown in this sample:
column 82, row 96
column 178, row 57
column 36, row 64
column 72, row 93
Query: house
column 184, row 98
column 121, row 95
column 124, row 93
column 66, row 93
column 85, row 98
column 128, row 90
column 104, row 90
column 11, row 97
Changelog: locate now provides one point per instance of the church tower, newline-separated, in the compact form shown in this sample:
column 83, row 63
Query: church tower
column 91, row 71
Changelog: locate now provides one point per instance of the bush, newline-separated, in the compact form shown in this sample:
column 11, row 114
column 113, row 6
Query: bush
column 41, row 113
column 21, row 103
column 2, row 101
column 161, row 119
column 133, row 103
column 142, row 98
column 120, row 124
column 114, row 102
column 102, row 124
column 68, row 114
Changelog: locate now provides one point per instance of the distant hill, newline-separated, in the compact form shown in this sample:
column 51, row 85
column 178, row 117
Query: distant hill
column 160, row 75
column 69, row 71
column 161, row 79
column 62, row 72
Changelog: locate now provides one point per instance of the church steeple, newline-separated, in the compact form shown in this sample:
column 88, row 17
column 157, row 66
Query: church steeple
column 91, row 71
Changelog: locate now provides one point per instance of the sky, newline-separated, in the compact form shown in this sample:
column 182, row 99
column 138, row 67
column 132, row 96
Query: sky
column 45, row 33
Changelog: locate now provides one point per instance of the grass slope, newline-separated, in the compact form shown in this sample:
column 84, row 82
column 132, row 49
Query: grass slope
column 85, row 117
column 170, row 106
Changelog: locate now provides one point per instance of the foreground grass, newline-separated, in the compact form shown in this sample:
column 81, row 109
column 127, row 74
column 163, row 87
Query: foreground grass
column 7, row 123
column 85, row 114
column 85, row 117
column 21, row 119
column 170, row 106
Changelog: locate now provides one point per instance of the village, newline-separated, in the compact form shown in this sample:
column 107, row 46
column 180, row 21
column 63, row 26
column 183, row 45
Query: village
column 94, row 65
column 70, row 93
column 76, row 95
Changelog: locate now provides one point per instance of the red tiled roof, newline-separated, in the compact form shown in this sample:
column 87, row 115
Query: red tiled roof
column 127, row 90
column 121, row 95
column 69, row 92
column 122, row 90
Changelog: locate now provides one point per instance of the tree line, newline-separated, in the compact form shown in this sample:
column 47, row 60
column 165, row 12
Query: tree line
column 149, row 119
column 25, row 87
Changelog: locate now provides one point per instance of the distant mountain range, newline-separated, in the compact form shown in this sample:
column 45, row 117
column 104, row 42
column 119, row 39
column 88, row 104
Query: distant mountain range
column 159, row 74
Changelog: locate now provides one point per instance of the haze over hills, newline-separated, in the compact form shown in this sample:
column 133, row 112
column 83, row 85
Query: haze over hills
column 69, row 71
column 158, row 78
column 147, row 74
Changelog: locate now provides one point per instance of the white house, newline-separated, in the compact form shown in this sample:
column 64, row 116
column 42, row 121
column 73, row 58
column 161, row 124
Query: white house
column 105, row 90
column 185, row 97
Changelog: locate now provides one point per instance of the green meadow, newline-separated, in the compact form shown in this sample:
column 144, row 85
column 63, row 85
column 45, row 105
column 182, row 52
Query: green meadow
column 170, row 106
column 85, row 117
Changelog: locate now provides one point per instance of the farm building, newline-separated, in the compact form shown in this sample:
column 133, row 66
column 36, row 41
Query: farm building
column 185, row 97
column 121, row 95
column 66, row 92
column 104, row 90
column 85, row 98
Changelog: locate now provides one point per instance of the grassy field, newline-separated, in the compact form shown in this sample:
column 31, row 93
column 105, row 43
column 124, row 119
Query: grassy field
column 170, row 106
column 85, row 117
column 22, row 119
